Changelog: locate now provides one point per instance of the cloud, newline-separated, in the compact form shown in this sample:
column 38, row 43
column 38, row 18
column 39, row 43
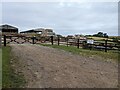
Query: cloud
column 59, row 0
column 65, row 18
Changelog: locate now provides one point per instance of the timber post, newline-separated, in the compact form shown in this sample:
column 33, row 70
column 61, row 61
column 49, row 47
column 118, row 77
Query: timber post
column 77, row 43
column 105, row 45
column 58, row 40
column 52, row 40
column 4, row 40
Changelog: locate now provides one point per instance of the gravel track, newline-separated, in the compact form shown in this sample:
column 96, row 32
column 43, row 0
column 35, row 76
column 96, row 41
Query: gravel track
column 45, row 67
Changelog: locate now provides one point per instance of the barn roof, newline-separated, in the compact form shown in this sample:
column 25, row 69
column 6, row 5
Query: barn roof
column 7, row 27
column 33, row 30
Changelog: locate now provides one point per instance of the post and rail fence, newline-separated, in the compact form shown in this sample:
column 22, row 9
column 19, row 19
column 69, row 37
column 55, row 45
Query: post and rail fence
column 57, row 41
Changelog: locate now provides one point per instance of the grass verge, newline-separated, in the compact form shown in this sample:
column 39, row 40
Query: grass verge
column 0, row 68
column 9, row 78
column 85, row 52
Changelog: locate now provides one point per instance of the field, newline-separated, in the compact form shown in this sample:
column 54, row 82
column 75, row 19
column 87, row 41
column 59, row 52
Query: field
column 102, row 38
column 98, row 38
column 9, row 78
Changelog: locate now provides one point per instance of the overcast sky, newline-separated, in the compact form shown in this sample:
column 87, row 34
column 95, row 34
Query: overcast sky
column 64, row 17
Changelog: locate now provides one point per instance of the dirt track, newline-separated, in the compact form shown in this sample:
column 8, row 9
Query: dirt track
column 45, row 67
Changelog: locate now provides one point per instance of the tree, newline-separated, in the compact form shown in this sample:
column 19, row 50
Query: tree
column 101, row 34
column 105, row 35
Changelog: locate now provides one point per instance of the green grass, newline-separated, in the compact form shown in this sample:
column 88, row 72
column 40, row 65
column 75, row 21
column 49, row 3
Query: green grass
column 99, row 38
column 9, row 78
column 0, row 68
column 88, row 53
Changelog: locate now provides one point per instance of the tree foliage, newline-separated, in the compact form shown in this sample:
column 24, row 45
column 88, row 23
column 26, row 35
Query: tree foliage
column 101, row 34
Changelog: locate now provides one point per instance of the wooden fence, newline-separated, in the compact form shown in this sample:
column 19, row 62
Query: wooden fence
column 104, row 45
column 0, row 40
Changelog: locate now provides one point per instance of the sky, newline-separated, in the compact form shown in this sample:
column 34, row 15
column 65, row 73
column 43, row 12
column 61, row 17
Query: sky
column 65, row 18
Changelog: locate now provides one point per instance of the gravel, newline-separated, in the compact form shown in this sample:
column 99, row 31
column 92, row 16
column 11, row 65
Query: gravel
column 45, row 67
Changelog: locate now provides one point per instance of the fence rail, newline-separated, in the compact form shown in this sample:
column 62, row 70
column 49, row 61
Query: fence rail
column 104, row 45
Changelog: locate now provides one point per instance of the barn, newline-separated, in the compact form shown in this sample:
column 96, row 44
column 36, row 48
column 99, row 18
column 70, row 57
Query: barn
column 8, row 29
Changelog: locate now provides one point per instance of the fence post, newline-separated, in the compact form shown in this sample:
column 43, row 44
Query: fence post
column 52, row 40
column 77, row 43
column 4, row 40
column 67, row 41
column 33, row 40
column 105, row 45
column 0, row 40
column 58, row 40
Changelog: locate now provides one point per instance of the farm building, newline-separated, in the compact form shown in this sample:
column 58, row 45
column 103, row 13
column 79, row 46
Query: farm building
column 47, row 32
column 70, row 36
column 8, row 29
column 40, row 31
column 33, row 31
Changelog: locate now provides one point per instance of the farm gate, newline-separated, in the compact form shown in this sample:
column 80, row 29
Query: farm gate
column 20, row 39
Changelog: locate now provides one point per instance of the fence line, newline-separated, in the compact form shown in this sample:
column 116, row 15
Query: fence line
column 77, row 43
column 66, row 41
